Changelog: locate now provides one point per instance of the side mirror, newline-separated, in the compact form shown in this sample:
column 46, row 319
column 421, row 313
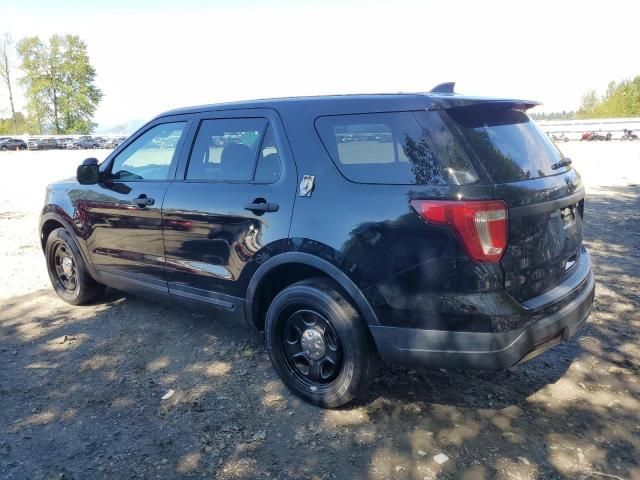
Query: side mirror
column 88, row 172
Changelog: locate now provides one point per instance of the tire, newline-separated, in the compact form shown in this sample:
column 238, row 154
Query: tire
column 79, row 287
column 3, row 148
column 349, row 360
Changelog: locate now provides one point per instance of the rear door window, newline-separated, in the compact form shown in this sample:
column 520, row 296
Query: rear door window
column 268, row 169
column 387, row 148
column 507, row 142
column 225, row 150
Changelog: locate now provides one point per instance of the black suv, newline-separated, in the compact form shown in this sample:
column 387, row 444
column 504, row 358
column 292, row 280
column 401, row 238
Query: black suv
column 445, row 232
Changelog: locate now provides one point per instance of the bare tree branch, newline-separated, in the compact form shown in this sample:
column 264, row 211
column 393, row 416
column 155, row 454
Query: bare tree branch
column 5, row 73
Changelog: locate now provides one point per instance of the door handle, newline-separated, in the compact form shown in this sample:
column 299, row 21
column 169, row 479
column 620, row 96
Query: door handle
column 143, row 201
column 259, row 207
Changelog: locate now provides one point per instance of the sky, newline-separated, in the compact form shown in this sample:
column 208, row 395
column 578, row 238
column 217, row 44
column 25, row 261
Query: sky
column 151, row 56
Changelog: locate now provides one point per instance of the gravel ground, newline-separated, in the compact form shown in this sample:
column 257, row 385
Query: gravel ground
column 83, row 389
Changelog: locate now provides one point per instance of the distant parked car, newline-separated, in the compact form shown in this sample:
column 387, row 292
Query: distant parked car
column 12, row 144
column 83, row 143
column 596, row 136
column 43, row 144
column 629, row 135
column 113, row 142
column 109, row 142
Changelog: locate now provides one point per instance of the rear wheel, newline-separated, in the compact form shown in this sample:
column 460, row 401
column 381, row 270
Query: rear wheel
column 67, row 270
column 319, row 344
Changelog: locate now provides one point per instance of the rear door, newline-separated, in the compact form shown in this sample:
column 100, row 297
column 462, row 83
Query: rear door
column 544, row 194
column 229, row 208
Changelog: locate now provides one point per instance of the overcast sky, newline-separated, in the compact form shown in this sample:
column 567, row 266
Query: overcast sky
column 154, row 55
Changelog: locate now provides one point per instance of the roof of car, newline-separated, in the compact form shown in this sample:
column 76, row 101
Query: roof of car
column 434, row 100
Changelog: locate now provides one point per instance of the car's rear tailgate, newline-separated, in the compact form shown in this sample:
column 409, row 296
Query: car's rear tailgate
column 545, row 233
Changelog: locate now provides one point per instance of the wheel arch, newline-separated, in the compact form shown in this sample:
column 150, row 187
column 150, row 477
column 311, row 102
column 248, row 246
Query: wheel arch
column 49, row 222
column 300, row 265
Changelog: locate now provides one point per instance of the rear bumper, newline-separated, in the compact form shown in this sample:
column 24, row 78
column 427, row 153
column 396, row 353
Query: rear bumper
column 483, row 350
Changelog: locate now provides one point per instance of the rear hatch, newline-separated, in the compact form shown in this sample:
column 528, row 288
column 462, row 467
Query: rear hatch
column 543, row 193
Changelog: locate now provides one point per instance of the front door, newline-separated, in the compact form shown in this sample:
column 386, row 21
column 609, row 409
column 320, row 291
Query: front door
column 229, row 208
column 123, row 211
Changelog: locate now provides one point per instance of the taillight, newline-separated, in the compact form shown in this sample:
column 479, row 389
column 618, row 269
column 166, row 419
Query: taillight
column 481, row 225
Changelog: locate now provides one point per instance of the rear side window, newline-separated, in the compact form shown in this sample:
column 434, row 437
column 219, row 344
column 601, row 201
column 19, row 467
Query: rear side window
column 507, row 142
column 386, row 148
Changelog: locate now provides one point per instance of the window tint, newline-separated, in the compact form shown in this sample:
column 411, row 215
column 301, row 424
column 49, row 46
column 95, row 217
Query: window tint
column 149, row 156
column 268, row 168
column 450, row 151
column 225, row 149
column 507, row 142
column 387, row 148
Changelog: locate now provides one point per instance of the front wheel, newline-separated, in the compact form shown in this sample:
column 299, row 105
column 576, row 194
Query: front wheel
column 67, row 270
column 319, row 345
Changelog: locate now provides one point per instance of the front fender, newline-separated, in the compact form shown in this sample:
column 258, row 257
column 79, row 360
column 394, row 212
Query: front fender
column 66, row 217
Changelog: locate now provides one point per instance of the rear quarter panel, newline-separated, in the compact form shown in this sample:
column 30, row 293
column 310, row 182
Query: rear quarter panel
column 405, row 268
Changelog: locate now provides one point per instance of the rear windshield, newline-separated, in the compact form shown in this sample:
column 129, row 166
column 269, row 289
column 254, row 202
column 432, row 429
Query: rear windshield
column 392, row 148
column 507, row 143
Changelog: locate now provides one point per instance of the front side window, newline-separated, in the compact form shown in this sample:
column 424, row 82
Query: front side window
column 150, row 155
column 235, row 150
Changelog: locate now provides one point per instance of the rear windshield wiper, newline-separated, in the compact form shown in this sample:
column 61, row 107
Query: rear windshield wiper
column 565, row 162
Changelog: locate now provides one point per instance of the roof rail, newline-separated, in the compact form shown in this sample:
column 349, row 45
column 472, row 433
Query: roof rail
column 446, row 87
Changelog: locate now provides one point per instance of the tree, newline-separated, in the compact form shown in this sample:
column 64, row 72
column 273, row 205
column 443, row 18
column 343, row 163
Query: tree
column 15, row 125
column 564, row 115
column 589, row 103
column 59, row 81
column 620, row 100
column 6, row 72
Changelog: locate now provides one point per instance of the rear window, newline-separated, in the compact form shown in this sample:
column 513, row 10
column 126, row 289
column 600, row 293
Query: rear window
column 507, row 142
column 391, row 148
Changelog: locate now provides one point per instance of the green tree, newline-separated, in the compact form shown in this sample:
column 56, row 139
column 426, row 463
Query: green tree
column 620, row 100
column 589, row 103
column 59, row 80
column 14, row 125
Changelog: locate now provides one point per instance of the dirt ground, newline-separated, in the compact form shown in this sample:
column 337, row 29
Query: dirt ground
column 83, row 389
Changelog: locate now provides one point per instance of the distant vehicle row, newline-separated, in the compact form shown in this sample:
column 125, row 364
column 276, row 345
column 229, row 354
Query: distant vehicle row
column 86, row 142
column 594, row 136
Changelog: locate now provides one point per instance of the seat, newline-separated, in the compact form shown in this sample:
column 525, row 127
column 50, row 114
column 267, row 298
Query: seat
column 236, row 162
column 268, row 169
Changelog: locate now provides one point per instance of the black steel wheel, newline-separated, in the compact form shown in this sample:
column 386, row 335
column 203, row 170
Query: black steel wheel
column 65, row 266
column 318, row 344
column 67, row 270
column 310, row 347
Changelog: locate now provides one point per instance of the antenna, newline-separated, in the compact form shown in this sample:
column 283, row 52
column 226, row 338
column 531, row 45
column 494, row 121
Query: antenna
column 446, row 87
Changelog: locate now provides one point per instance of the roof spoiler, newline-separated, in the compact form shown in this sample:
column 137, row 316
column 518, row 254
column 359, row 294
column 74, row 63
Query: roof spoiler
column 446, row 87
column 443, row 103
